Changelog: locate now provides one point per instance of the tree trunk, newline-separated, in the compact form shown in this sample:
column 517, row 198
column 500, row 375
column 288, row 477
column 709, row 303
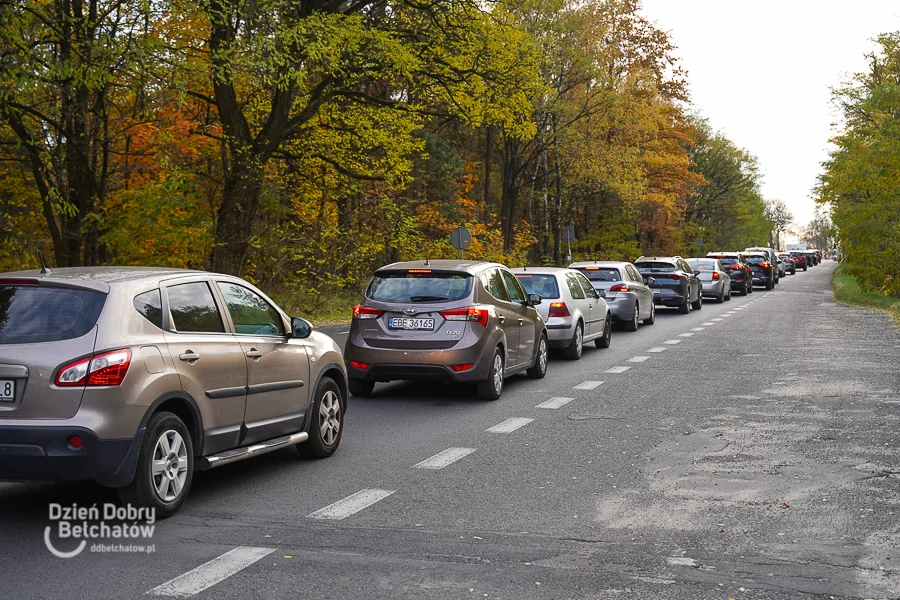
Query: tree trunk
column 235, row 218
column 509, row 191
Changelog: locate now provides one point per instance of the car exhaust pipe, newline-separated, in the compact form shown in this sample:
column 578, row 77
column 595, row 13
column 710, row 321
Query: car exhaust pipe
column 237, row 454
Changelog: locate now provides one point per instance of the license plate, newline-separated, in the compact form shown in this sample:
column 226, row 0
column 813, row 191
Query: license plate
column 7, row 390
column 657, row 291
column 415, row 324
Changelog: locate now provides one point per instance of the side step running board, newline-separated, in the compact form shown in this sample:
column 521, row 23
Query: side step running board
column 230, row 456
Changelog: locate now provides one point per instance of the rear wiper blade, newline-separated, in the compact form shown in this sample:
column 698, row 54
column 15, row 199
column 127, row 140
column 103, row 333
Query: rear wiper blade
column 427, row 298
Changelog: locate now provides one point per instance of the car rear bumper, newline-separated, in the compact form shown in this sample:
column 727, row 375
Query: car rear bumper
column 669, row 297
column 420, row 365
column 713, row 288
column 621, row 307
column 36, row 453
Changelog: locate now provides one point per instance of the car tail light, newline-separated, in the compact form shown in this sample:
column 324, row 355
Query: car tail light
column 479, row 314
column 736, row 267
column 559, row 309
column 715, row 274
column 359, row 365
column 365, row 312
column 459, row 368
column 101, row 370
column 75, row 442
column 676, row 276
column 764, row 265
column 619, row 287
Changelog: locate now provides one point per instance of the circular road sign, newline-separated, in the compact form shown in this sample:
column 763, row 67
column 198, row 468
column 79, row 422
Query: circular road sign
column 460, row 238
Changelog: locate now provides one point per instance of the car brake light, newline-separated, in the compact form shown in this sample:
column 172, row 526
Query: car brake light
column 365, row 312
column 478, row 314
column 359, row 365
column 715, row 274
column 102, row 370
column 559, row 309
column 464, row 367
column 764, row 265
column 619, row 287
column 676, row 276
column 17, row 281
column 592, row 268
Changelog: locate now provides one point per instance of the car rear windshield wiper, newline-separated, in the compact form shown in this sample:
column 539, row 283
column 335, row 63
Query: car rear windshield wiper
column 427, row 298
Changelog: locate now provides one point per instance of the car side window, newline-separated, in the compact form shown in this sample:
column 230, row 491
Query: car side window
column 516, row 293
column 149, row 305
column 685, row 267
column 193, row 309
column 585, row 285
column 250, row 313
column 493, row 283
column 574, row 287
column 635, row 276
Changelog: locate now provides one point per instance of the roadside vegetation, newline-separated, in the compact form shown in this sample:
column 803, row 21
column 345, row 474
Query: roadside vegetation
column 302, row 144
column 849, row 290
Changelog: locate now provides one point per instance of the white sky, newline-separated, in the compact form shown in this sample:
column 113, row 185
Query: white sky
column 761, row 72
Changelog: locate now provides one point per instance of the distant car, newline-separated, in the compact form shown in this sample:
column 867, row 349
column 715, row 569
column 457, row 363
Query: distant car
column 812, row 259
column 714, row 279
column 771, row 258
column 629, row 298
column 135, row 377
column 799, row 259
column 782, row 266
column 573, row 310
column 673, row 282
column 764, row 271
column 740, row 272
column 789, row 265
column 445, row 321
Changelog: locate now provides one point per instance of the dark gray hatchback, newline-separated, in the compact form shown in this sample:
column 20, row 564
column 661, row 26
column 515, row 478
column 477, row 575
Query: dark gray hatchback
column 445, row 321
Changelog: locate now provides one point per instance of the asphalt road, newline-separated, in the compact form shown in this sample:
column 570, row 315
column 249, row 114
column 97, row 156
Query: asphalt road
column 756, row 456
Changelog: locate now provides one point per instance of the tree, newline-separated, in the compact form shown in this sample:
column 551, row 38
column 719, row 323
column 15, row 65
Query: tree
column 780, row 218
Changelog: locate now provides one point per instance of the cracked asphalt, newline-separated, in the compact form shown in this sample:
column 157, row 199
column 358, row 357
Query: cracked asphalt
column 755, row 457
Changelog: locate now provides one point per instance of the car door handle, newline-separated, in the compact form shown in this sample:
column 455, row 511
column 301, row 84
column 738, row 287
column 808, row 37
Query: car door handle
column 189, row 356
column 501, row 318
column 521, row 320
column 254, row 354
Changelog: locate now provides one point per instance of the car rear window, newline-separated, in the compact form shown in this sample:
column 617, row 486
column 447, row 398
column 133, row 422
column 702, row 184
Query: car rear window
column 545, row 285
column 755, row 259
column 728, row 261
column 421, row 286
column 601, row 274
column 703, row 265
column 31, row 314
column 655, row 267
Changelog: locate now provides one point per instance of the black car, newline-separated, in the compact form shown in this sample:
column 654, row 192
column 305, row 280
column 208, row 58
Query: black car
column 740, row 272
column 763, row 270
column 673, row 282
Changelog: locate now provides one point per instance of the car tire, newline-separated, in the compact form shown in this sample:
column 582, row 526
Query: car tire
column 721, row 297
column 326, row 425
column 576, row 345
column 804, row 269
column 492, row 387
column 728, row 295
column 605, row 340
column 360, row 387
column 698, row 305
column 632, row 325
column 769, row 285
column 652, row 318
column 166, row 435
column 539, row 369
column 686, row 307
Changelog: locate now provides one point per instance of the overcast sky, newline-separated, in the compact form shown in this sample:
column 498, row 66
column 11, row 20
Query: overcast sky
column 761, row 72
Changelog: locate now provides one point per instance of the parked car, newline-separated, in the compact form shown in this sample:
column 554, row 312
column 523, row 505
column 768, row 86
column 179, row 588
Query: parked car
column 740, row 272
column 714, row 279
column 673, row 282
column 812, row 259
column 789, row 266
column 629, row 298
column 764, row 271
column 445, row 321
column 799, row 259
column 770, row 258
column 135, row 377
column 575, row 313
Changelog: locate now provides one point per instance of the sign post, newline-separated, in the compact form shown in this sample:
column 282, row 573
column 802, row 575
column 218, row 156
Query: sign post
column 569, row 236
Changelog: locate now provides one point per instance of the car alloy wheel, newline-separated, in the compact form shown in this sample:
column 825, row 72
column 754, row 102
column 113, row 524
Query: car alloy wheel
column 169, row 466
column 329, row 417
column 635, row 318
column 576, row 347
column 497, row 376
column 539, row 369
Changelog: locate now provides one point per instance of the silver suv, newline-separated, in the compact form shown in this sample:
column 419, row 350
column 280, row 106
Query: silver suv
column 135, row 377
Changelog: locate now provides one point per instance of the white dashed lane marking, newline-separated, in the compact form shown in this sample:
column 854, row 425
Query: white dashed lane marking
column 698, row 328
column 685, row 335
column 638, row 359
column 657, row 349
column 554, row 403
column 717, row 320
column 442, row 459
column 510, row 425
column 672, row 342
column 708, row 323
column 210, row 573
column 350, row 505
column 617, row 370
column 588, row 385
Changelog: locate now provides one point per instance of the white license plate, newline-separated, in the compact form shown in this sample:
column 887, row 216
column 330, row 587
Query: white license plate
column 657, row 291
column 7, row 390
column 415, row 324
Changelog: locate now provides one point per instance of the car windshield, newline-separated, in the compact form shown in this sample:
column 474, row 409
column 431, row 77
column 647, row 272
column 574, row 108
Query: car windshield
column 545, row 285
column 419, row 287
column 37, row 314
column 601, row 274
column 655, row 267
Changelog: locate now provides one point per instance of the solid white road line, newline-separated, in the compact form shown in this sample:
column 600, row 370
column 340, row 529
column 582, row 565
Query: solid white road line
column 510, row 425
column 554, row 403
column 685, row 335
column 617, row 370
column 442, row 459
column 672, row 342
column 588, row 385
column 211, row 573
column 638, row 358
column 657, row 349
column 698, row 328
column 351, row 504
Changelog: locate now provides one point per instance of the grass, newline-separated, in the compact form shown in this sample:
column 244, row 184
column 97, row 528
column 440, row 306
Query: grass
column 848, row 290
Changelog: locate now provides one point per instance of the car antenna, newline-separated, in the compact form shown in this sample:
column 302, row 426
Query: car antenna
column 37, row 245
column 427, row 262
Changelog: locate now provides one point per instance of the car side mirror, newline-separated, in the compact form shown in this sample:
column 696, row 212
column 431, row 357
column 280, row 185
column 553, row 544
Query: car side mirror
column 300, row 328
column 651, row 280
column 696, row 271
column 534, row 299
column 601, row 293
